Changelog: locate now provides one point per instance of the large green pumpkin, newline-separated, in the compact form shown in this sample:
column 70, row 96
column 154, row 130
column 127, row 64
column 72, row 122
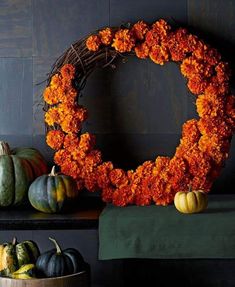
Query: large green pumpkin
column 18, row 168
column 49, row 193
column 58, row 262
column 13, row 255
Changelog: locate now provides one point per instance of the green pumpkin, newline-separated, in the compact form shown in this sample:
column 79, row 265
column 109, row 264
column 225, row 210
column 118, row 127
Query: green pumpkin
column 56, row 263
column 49, row 193
column 13, row 255
column 18, row 168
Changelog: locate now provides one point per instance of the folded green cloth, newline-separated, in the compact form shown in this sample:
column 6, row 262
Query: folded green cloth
column 163, row 232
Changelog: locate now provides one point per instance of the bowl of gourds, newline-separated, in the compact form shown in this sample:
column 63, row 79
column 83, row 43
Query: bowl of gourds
column 22, row 265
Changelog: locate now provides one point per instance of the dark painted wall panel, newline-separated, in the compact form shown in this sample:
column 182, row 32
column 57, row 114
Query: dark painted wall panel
column 41, row 67
column 129, row 150
column 16, row 96
column 15, row 28
column 122, row 11
column 57, row 24
column 17, row 140
column 136, row 97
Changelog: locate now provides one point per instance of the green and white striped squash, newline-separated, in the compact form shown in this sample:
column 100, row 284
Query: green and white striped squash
column 18, row 168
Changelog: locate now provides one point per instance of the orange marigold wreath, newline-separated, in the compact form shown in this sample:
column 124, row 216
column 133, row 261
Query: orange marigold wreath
column 205, row 142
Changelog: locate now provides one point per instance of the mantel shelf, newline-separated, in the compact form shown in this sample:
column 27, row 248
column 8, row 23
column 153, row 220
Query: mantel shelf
column 84, row 215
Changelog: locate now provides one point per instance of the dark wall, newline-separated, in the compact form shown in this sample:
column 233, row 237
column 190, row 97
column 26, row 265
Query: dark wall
column 136, row 110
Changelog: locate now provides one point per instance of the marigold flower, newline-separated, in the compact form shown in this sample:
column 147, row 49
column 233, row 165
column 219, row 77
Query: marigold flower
column 180, row 184
column 197, row 84
column 68, row 95
column 206, row 53
column 161, row 164
column 68, row 72
column 81, row 113
column 93, row 158
column 103, row 171
column 52, row 116
column 210, row 105
column 118, row 177
column 87, row 142
column 106, row 36
column 192, row 42
column 162, row 193
column 199, row 163
column 179, row 44
column 186, row 144
column 50, row 96
column 161, row 28
column 215, row 147
column 70, row 125
column 139, row 30
column 223, row 72
column 159, row 54
column 78, row 155
column 152, row 38
column 93, row 43
column 123, row 41
column 71, row 168
column 201, row 183
column 143, row 194
column 123, row 196
column 55, row 139
column 177, row 169
column 55, row 82
column 190, row 131
column 142, row 50
column 107, row 194
column 146, row 169
column 62, row 156
column 216, row 127
column 65, row 109
column 91, row 182
column 135, row 180
column 71, row 141
column 191, row 66
column 216, row 88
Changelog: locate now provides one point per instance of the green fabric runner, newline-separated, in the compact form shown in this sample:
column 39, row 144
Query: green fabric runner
column 162, row 232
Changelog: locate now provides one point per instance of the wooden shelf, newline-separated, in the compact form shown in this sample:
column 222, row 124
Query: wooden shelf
column 83, row 215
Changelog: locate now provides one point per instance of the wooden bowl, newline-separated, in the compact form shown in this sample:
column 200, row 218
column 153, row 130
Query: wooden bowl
column 81, row 279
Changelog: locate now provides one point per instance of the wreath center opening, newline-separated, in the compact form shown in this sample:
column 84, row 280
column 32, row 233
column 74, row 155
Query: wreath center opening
column 135, row 105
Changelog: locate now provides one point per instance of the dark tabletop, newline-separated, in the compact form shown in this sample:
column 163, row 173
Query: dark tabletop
column 83, row 215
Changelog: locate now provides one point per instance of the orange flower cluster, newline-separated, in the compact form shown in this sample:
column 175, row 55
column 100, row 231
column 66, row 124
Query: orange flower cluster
column 61, row 96
column 204, row 145
column 55, row 139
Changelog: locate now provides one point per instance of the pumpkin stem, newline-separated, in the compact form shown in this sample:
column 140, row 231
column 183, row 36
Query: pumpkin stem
column 4, row 148
column 190, row 188
column 58, row 248
column 52, row 173
column 14, row 240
